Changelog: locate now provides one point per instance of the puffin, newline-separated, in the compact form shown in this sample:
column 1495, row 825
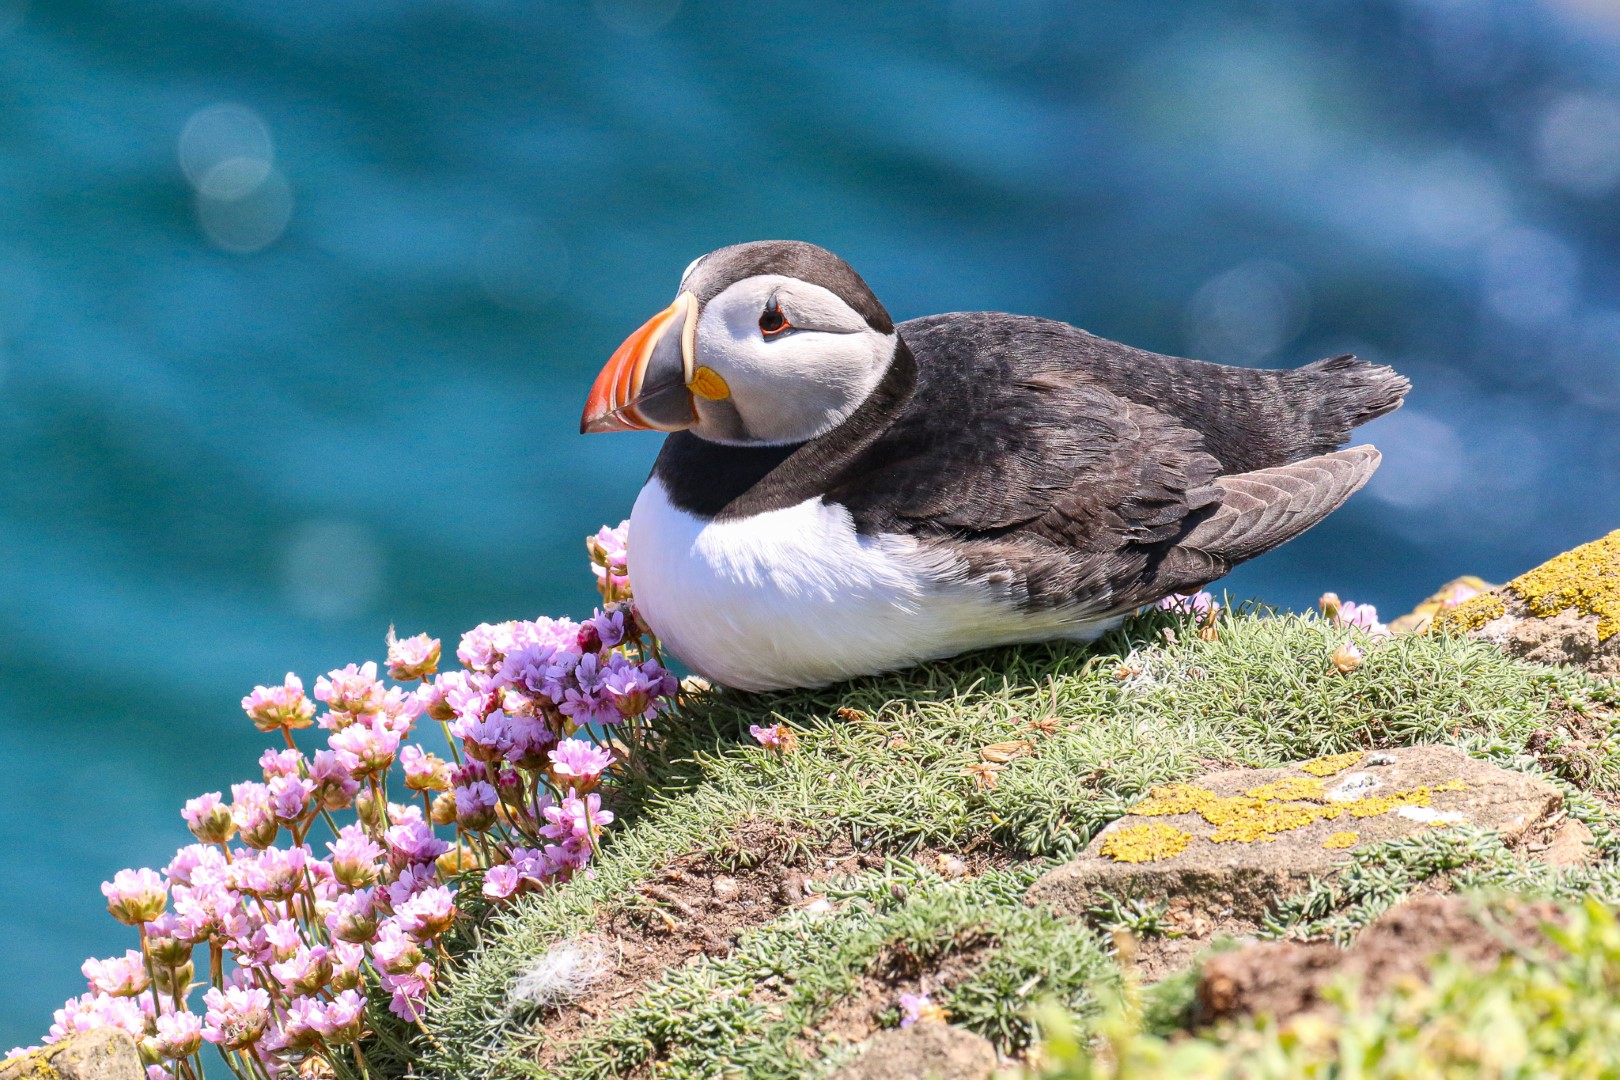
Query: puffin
column 839, row 495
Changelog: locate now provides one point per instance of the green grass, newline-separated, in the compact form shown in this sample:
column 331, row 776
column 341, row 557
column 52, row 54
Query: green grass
column 880, row 763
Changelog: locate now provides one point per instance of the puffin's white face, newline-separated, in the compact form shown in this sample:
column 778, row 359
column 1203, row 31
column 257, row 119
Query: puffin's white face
column 767, row 358
column 794, row 358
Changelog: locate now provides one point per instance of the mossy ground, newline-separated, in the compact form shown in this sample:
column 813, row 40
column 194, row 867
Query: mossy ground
column 1025, row 753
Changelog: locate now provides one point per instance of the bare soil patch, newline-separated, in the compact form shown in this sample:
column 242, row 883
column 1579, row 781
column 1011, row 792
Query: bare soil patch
column 700, row 904
column 1285, row 979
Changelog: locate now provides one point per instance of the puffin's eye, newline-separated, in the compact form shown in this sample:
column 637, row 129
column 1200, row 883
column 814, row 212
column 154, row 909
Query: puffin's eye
column 772, row 321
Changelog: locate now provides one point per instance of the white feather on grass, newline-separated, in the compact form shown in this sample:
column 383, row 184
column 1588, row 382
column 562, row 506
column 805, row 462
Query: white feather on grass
column 565, row 972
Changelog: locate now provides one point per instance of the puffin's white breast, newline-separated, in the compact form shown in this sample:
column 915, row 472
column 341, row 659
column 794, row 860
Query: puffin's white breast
column 796, row 597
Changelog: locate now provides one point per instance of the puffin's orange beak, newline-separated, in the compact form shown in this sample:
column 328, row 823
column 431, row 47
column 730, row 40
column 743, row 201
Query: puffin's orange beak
column 645, row 383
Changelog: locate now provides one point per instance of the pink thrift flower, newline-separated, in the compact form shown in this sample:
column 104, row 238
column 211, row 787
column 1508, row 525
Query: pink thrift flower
column 284, row 706
column 475, row 805
column 579, row 761
column 483, row 647
column 135, row 896
column 423, row 771
column 633, row 689
column 604, row 630
column 427, row 914
column 610, row 559
column 253, row 815
column 305, row 972
column 394, row 950
column 353, row 917
column 412, row 658
column 283, row 939
column 339, row 1021
column 208, row 818
column 299, row 1030
column 290, row 798
column 371, row 745
column 769, row 737
column 195, row 862
column 500, row 882
column 529, row 739
column 276, row 763
column 178, row 1035
column 332, row 773
column 348, row 965
column 236, row 1016
column 486, row 738
column 1198, row 603
column 412, row 842
column 409, row 1000
column 576, row 818
column 355, row 857
column 117, row 976
column 355, row 691
column 913, row 1007
column 1364, row 616
column 90, row 1011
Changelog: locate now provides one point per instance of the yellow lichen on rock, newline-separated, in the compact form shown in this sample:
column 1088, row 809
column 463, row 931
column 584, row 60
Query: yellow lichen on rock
column 1146, row 843
column 1373, row 805
column 1469, row 615
column 1586, row 578
column 1333, row 763
column 1264, row 824
column 1174, row 799
column 1340, row 840
column 1287, row 789
column 1262, row 812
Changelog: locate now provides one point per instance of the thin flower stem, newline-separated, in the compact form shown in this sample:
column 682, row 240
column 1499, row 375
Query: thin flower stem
column 455, row 752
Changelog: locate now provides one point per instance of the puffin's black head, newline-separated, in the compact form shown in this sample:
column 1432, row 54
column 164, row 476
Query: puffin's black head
column 770, row 342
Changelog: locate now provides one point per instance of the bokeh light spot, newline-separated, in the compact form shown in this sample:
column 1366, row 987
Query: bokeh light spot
column 1529, row 276
column 224, row 133
column 1578, row 143
column 249, row 222
column 1248, row 312
column 1423, row 462
column 332, row 569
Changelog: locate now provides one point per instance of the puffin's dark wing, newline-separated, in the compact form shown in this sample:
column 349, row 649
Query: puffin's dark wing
column 1250, row 419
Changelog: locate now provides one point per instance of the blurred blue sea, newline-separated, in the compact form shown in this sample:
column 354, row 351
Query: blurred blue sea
column 299, row 303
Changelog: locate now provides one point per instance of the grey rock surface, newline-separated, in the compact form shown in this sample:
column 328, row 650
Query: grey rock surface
column 102, row 1054
column 1248, row 837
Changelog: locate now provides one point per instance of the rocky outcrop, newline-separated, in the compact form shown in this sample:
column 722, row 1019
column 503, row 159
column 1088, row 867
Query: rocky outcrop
column 1565, row 611
column 1235, row 842
column 101, row 1054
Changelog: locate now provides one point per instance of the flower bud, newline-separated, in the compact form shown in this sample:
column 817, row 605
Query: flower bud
column 444, row 809
column 1346, row 658
column 1330, row 604
column 209, row 819
column 367, row 809
column 172, row 980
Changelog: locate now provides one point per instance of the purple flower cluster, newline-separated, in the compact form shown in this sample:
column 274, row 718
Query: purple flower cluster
column 298, row 941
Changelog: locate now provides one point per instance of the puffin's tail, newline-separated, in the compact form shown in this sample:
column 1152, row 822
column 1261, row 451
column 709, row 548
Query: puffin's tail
column 1260, row 510
column 1343, row 393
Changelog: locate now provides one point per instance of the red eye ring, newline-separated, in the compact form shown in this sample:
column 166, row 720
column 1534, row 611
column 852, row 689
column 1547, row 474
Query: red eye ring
column 772, row 321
